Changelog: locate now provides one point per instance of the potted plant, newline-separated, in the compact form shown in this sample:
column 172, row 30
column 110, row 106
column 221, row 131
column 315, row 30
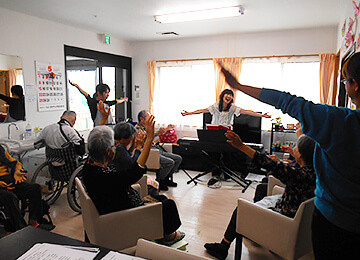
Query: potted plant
column 277, row 122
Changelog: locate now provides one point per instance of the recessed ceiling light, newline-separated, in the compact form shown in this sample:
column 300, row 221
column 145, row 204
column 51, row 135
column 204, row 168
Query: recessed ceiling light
column 200, row 15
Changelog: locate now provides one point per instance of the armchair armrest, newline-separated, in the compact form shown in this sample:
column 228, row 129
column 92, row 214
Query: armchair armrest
column 151, row 250
column 122, row 229
column 167, row 147
column 272, row 182
column 143, row 186
column 277, row 190
column 137, row 187
column 153, row 161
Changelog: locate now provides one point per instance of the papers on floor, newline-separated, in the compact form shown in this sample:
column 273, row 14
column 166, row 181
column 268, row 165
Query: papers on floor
column 118, row 256
column 254, row 177
column 45, row 251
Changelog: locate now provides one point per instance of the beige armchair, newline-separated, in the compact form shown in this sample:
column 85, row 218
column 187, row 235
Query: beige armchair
column 120, row 230
column 152, row 251
column 287, row 237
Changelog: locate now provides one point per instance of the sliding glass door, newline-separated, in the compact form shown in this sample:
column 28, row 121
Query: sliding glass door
column 89, row 68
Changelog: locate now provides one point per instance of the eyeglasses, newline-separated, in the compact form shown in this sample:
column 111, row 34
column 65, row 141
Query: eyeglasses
column 349, row 80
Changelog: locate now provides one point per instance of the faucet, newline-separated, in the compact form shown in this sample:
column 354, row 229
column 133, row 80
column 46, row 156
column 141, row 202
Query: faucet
column 9, row 128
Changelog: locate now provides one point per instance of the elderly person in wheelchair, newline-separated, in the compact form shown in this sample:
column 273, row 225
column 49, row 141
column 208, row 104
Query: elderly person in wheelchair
column 110, row 189
column 63, row 144
column 14, row 188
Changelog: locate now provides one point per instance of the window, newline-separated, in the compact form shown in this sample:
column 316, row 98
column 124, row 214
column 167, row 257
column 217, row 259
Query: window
column 190, row 85
column 298, row 77
column 183, row 86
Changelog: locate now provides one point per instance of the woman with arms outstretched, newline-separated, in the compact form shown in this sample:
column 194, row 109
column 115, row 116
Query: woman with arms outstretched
column 101, row 94
column 224, row 111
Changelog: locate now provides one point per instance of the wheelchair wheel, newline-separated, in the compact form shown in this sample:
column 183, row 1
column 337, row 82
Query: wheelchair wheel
column 72, row 194
column 51, row 189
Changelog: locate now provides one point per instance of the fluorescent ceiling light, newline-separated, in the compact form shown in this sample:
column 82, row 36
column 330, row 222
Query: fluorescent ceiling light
column 200, row 15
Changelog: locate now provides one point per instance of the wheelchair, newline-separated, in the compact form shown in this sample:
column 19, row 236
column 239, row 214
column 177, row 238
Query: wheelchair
column 52, row 187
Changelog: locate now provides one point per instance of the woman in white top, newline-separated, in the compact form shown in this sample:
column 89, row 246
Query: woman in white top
column 224, row 111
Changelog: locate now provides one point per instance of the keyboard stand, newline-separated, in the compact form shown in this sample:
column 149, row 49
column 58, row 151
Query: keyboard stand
column 222, row 168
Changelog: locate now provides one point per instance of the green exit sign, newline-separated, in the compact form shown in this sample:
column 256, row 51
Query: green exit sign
column 107, row 39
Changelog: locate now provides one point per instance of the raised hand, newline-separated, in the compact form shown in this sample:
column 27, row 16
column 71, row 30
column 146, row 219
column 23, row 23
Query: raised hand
column 274, row 157
column 104, row 113
column 121, row 100
column 185, row 113
column 230, row 79
column 266, row 115
column 73, row 84
column 234, row 139
column 150, row 127
column 287, row 149
column 233, row 82
column 80, row 89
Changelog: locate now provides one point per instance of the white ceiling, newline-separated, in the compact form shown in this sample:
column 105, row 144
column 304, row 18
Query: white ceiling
column 133, row 20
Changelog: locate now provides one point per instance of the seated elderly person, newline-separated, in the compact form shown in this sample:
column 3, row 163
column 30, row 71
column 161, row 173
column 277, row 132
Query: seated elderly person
column 299, row 181
column 125, row 135
column 170, row 162
column 14, row 188
column 111, row 189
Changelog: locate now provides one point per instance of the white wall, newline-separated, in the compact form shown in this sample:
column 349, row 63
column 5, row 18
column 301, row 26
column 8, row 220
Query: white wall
column 292, row 42
column 36, row 39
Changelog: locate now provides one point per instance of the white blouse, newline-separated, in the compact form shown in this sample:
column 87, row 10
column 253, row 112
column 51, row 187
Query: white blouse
column 224, row 117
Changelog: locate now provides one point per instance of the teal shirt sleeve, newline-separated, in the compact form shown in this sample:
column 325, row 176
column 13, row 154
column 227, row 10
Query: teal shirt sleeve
column 318, row 121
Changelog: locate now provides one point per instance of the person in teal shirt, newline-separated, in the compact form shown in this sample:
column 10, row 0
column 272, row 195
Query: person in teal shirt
column 336, row 218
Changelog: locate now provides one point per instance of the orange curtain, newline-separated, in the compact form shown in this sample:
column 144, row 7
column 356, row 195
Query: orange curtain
column 12, row 77
column 329, row 71
column 231, row 64
column 151, row 82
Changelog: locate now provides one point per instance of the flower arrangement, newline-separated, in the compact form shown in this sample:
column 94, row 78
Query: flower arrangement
column 276, row 120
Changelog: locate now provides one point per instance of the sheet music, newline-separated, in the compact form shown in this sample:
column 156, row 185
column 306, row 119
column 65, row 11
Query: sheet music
column 45, row 251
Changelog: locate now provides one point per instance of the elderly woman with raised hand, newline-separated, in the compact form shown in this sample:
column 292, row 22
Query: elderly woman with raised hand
column 126, row 135
column 111, row 189
column 335, row 225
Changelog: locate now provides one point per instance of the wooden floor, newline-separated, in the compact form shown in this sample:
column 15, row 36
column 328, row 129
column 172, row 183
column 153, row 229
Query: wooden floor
column 204, row 213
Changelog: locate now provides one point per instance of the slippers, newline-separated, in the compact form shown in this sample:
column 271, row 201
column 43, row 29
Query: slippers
column 178, row 236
